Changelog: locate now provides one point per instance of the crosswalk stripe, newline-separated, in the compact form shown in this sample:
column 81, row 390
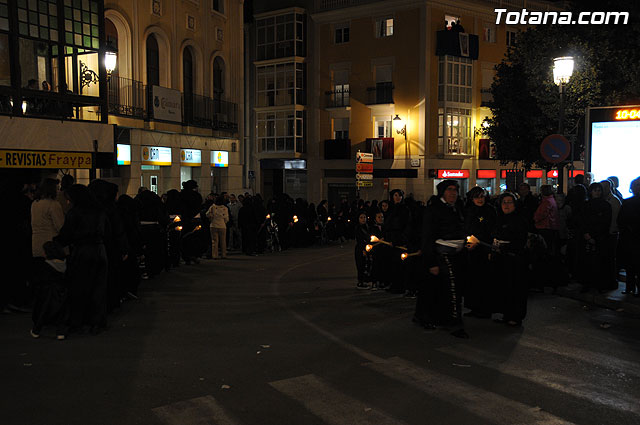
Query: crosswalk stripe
column 488, row 405
column 329, row 404
column 568, row 385
column 197, row 411
column 580, row 354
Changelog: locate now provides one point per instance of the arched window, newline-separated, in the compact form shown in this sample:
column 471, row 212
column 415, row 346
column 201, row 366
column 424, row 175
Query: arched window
column 218, row 78
column 153, row 61
column 111, row 34
column 187, row 83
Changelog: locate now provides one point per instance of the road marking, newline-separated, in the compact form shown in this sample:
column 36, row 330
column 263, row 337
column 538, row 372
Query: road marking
column 582, row 355
column 488, row 405
column 329, row 404
column 197, row 411
column 593, row 393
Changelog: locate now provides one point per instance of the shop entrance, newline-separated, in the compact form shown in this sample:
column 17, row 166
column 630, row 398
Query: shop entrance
column 151, row 178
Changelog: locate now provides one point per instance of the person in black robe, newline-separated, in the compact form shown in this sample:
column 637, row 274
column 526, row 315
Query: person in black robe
column 595, row 223
column 508, row 263
column 380, row 255
column 479, row 221
column 397, row 231
column 443, row 239
column 629, row 224
column 84, row 230
column 363, row 237
column 248, row 226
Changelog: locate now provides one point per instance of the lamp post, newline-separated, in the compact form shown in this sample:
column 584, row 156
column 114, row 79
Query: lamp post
column 562, row 70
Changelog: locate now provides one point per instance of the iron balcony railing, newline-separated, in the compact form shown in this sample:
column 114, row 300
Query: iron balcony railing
column 381, row 93
column 126, row 97
column 338, row 98
column 215, row 113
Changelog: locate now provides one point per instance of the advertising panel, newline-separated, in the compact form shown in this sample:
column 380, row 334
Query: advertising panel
column 44, row 159
column 123, row 154
column 613, row 145
column 219, row 158
column 156, row 155
column 190, row 157
column 453, row 174
column 167, row 104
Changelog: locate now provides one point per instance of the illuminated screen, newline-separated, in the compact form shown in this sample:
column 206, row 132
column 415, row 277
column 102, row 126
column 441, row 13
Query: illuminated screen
column 615, row 149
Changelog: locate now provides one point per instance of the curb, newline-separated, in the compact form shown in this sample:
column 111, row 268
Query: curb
column 601, row 300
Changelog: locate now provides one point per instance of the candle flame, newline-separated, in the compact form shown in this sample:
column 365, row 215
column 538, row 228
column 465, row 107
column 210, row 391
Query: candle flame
column 329, row 219
column 374, row 238
column 177, row 219
column 268, row 216
column 368, row 247
column 404, row 255
column 198, row 227
column 179, row 228
column 295, row 218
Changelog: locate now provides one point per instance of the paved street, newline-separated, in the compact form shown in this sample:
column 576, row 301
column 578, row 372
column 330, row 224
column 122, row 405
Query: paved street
column 287, row 339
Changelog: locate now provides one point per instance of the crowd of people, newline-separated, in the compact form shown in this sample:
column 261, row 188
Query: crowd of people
column 83, row 250
column 487, row 253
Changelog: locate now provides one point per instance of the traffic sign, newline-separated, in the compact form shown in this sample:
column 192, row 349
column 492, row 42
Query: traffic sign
column 555, row 148
column 364, row 168
column 361, row 176
column 364, row 157
column 364, row 183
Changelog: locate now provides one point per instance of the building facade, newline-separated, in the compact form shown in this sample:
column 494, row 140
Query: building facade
column 176, row 95
column 408, row 81
column 53, row 92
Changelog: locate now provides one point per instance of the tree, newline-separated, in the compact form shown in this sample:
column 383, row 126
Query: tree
column 526, row 102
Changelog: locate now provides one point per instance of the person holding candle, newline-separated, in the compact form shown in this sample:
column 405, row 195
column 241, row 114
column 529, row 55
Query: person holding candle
column 443, row 240
column 479, row 220
column 508, row 262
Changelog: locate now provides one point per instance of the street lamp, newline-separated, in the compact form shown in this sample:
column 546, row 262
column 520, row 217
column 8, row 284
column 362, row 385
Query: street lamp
column 400, row 126
column 110, row 59
column 562, row 70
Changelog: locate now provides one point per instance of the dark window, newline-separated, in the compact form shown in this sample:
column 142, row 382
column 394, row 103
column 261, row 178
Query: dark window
column 187, row 83
column 153, row 61
column 218, row 5
column 218, row 78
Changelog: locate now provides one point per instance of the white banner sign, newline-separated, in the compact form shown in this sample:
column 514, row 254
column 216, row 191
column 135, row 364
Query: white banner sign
column 123, row 153
column 167, row 104
column 190, row 157
column 156, row 155
column 219, row 158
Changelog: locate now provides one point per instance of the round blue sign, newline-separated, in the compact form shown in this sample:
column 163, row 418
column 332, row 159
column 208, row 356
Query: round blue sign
column 555, row 148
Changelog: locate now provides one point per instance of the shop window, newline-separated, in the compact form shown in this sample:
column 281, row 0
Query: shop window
column 384, row 27
column 341, row 33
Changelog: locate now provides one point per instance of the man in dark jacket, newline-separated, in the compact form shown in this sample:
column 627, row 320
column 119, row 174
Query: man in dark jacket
column 443, row 240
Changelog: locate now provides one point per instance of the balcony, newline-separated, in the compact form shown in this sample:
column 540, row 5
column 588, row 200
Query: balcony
column 338, row 99
column 337, row 149
column 382, row 93
column 206, row 112
column 381, row 148
column 126, row 97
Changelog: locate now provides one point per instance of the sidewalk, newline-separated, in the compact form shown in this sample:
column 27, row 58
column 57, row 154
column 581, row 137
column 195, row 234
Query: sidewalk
column 614, row 300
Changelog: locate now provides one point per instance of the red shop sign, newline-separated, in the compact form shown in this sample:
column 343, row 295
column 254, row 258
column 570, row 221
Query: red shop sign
column 534, row 174
column 553, row 174
column 453, row 174
column 576, row 173
column 486, row 174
